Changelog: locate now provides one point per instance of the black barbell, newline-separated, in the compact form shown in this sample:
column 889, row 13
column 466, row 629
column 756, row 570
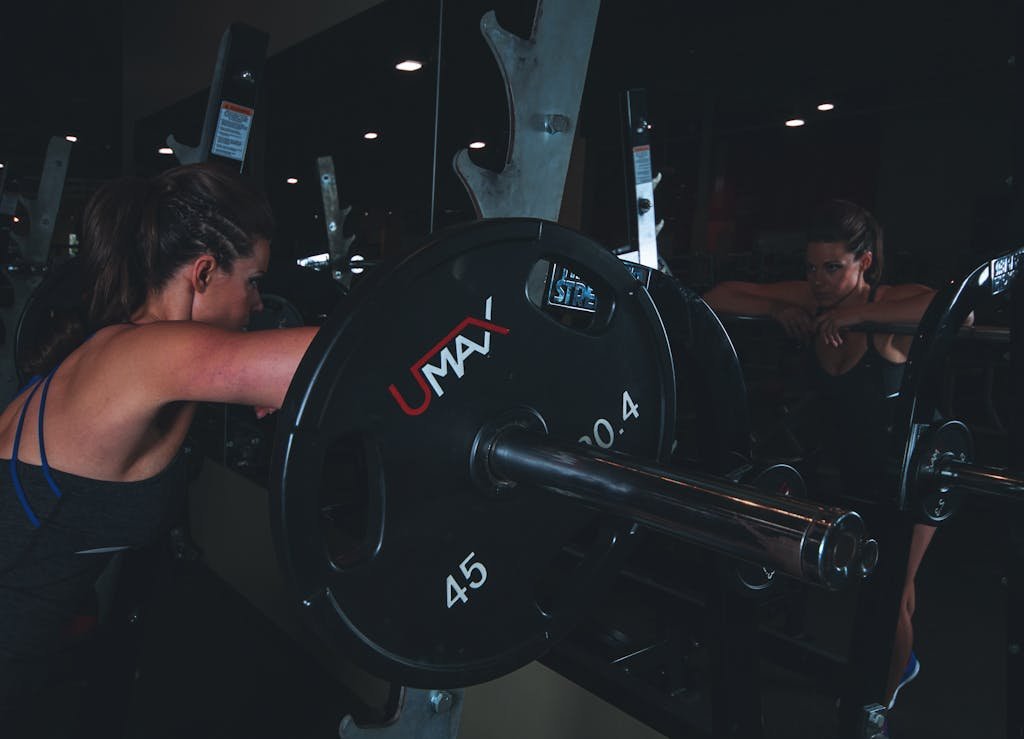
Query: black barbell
column 507, row 394
column 501, row 396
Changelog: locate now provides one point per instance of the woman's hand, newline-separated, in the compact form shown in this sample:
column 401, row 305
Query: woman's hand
column 831, row 323
column 797, row 322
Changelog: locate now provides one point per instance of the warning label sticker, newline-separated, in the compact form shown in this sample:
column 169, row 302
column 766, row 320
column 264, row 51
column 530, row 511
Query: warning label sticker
column 232, row 134
column 642, row 163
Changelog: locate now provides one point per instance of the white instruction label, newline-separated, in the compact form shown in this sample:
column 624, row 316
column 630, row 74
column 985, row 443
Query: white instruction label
column 232, row 134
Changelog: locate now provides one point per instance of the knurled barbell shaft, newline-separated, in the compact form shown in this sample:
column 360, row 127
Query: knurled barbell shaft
column 814, row 543
column 978, row 479
column 986, row 334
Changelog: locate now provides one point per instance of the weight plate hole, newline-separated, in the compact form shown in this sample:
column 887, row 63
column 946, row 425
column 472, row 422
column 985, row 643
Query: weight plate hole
column 350, row 511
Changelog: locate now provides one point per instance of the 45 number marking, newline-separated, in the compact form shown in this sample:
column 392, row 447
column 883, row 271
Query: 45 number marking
column 604, row 432
column 475, row 576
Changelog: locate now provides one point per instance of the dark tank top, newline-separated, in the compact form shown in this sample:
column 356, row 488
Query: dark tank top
column 857, row 408
column 57, row 533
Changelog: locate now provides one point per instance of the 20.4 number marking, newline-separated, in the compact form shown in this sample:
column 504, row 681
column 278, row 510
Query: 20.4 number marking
column 604, row 432
column 475, row 576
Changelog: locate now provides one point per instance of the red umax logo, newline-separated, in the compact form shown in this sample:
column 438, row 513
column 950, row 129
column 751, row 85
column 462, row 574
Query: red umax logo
column 426, row 374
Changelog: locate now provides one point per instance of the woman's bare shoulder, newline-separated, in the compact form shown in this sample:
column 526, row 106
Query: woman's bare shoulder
column 902, row 292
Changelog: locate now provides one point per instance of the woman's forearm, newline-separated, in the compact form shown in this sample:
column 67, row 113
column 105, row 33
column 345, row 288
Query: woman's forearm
column 905, row 310
column 736, row 298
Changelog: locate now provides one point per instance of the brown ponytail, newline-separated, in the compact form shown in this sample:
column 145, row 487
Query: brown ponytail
column 112, row 258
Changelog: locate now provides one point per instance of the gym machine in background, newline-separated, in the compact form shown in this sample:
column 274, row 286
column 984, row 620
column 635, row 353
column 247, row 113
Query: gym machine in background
column 231, row 132
column 343, row 264
column 30, row 258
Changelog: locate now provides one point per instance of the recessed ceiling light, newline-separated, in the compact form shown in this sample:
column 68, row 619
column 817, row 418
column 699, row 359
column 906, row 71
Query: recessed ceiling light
column 71, row 138
column 165, row 150
column 409, row 65
column 477, row 145
column 370, row 135
column 795, row 122
column 16, row 219
column 826, row 107
column 1, row 165
column 292, row 181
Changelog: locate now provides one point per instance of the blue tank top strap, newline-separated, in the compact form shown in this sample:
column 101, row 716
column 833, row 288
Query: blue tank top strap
column 42, row 450
column 15, row 478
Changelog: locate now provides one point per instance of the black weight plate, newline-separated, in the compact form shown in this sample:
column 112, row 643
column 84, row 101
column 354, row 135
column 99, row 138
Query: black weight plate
column 711, row 390
column 922, row 388
column 951, row 439
column 398, row 558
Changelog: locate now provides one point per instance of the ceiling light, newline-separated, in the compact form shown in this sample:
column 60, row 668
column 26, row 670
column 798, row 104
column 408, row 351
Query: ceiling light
column 826, row 107
column 355, row 258
column 795, row 122
column 409, row 65
column 1, row 165
column 370, row 135
column 292, row 181
column 165, row 150
column 477, row 145
column 16, row 219
column 71, row 138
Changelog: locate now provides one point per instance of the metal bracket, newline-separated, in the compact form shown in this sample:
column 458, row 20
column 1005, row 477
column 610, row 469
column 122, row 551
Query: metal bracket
column 421, row 714
column 43, row 210
column 641, row 224
column 235, row 89
column 544, row 78
column 334, row 219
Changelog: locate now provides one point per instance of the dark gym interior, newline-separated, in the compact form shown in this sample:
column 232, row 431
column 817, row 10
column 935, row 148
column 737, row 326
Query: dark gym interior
column 912, row 110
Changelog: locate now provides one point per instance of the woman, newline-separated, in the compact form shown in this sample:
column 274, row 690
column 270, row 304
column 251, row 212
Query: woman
column 89, row 449
column 855, row 373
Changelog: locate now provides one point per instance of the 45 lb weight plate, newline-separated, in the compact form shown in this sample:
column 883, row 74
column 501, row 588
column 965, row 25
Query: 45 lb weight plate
column 396, row 553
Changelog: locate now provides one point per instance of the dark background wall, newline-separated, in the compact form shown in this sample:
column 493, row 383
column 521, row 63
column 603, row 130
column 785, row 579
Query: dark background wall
column 923, row 131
